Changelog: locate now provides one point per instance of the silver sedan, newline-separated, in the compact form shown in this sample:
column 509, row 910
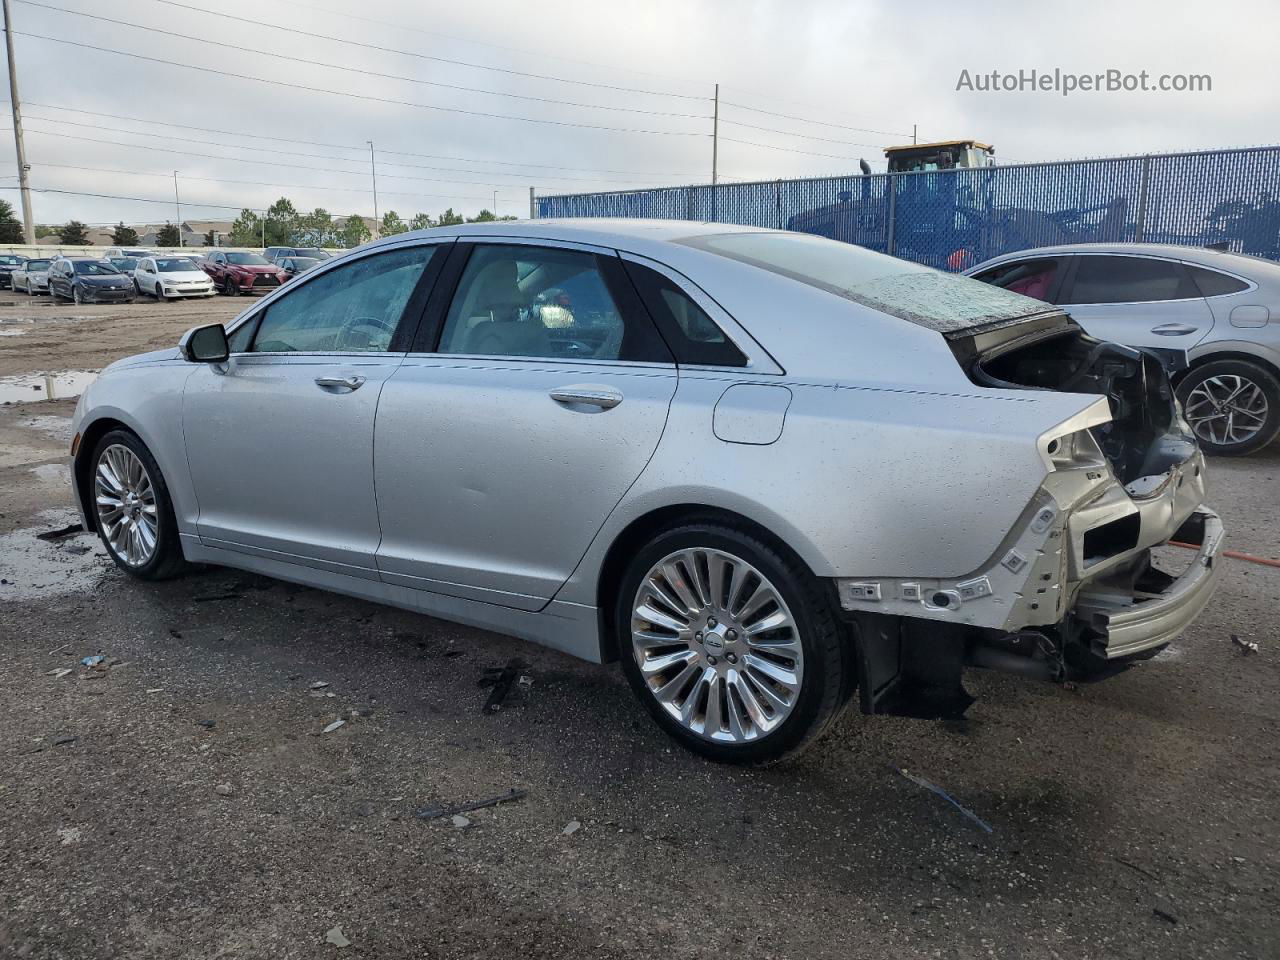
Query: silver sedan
column 761, row 469
column 1212, row 315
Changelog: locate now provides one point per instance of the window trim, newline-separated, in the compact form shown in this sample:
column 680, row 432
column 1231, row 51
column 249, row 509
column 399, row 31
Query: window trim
column 1077, row 257
column 1249, row 285
column 759, row 360
column 410, row 317
column 431, row 331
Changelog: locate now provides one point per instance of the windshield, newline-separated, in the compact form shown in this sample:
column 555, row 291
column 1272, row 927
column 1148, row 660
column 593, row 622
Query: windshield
column 124, row 263
column 96, row 267
column 930, row 298
column 175, row 266
column 249, row 259
column 10, row 261
column 311, row 253
column 304, row 263
column 35, row 265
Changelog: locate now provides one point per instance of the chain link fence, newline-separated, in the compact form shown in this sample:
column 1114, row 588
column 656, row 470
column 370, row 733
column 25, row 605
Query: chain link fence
column 952, row 219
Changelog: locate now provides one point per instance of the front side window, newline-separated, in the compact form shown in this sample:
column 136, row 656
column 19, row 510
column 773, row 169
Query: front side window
column 526, row 301
column 355, row 308
column 1101, row 279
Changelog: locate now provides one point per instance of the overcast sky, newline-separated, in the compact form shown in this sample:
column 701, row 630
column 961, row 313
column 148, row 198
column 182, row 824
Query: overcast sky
column 879, row 66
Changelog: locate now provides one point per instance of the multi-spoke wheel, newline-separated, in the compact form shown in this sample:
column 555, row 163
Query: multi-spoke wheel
column 1232, row 406
column 131, row 505
column 731, row 645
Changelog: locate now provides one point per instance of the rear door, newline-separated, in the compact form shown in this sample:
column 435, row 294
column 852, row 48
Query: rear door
column 280, row 438
column 1140, row 301
column 534, row 399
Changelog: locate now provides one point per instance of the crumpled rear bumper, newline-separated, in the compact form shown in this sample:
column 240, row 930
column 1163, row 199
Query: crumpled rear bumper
column 1130, row 622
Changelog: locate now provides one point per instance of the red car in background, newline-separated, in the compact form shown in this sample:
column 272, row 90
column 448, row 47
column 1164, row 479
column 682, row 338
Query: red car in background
column 235, row 273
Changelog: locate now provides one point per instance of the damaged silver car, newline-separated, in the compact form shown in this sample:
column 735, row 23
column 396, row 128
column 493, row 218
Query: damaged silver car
column 762, row 470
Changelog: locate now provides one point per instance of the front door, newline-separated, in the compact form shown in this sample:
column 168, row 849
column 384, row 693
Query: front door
column 280, row 438
column 1137, row 301
column 502, row 446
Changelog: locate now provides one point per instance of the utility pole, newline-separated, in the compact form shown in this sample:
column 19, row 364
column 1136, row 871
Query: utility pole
column 373, row 170
column 715, row 153
column 24, row 184
column 913, row 134
column 265, row 213
column 177, row 208
column 495, row 203
column 533, row 205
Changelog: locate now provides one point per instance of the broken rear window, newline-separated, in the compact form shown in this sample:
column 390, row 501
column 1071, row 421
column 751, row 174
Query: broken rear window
column 930, row 298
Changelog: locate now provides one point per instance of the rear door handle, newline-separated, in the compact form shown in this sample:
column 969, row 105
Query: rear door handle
column 353, row 382
column 1173, row 330
column 601, row 397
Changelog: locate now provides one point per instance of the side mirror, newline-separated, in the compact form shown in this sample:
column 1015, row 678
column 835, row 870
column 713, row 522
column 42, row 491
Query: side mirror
column 206, row 344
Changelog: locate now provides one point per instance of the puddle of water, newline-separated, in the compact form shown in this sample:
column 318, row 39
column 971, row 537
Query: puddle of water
column 32, row 387
column 14, row 332
column 53, row 473
column 59, row 428
column 35, row 569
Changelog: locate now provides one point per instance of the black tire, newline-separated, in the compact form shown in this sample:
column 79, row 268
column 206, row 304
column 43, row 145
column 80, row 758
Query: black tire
column 827, row 680
column 229, row 287
column 75, row 295
column 167, row 560
column 1266, row 382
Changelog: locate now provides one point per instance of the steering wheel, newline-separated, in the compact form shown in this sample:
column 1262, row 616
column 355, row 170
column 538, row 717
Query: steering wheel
column 348, row 338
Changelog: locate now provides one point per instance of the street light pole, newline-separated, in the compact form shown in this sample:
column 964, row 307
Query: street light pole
column 373, row 171
column 24, row 185
column 177, row 208
column 495, row 203
column 715, row 154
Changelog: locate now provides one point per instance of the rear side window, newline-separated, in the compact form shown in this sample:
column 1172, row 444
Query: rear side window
column 1031, row 278
column 1102, row 279
column 693, row 336
column 1211, row 283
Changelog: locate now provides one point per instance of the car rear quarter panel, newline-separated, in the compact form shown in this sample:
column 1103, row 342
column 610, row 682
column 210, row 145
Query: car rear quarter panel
column 864, row 480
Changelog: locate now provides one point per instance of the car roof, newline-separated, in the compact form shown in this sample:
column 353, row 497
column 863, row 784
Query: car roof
column 1206, row 255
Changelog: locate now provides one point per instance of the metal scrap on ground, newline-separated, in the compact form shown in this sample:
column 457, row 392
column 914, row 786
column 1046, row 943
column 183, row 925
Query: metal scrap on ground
column 432, row 813
column 934, row 788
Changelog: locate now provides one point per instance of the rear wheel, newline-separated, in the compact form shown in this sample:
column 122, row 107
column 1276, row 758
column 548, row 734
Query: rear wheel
column 1233, row 406
column 731, row 645
column 133, row 510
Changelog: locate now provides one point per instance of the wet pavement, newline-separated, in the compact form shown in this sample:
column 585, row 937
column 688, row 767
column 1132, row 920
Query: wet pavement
column 181, row 798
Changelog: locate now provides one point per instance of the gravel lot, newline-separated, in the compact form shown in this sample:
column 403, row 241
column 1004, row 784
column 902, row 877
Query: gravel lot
column 183, row 800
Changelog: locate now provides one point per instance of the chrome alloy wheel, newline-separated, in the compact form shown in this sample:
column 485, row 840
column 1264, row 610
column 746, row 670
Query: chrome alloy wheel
column 716, row 645
column 126, row 504
column 1226, row 409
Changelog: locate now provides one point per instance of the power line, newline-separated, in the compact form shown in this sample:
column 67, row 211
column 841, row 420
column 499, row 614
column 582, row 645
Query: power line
column 801, row 136
column 108, row 196
column 771, row 146
column 339, row 66
column 332, row 146
column 357, row 96
column 825, row 123
column 297, row 166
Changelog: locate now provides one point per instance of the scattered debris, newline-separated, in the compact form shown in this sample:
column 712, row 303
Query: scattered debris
column 69, row 835
column 933, row 788
column 207, row 723
column 525, row 681
column 59, row 673
column 570, row 828
column 337, row 938
column 432, row 813
column 501, row 679
column 334, row 726
column 217, row 596
column 1165, row 911
column 224, row 789
column 63, row 741
column 155, row 689
column 68, row 531
column 1136, row 869
column 319, row 684
column 1246, row 646
column 460, row 821
column 94, row 661
column 76, row 549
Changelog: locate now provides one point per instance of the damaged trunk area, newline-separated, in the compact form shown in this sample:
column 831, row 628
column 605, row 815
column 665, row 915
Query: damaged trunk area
column 1146, row 436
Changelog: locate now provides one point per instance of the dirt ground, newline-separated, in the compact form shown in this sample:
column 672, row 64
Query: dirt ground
column 182, row 799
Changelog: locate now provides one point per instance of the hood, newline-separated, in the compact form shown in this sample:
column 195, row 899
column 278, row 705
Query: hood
column 154, row 356
column 184, row 276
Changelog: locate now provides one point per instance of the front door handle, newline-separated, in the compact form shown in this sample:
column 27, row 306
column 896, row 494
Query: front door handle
column 353, row 382
column 1173, row 330
column 601, row 397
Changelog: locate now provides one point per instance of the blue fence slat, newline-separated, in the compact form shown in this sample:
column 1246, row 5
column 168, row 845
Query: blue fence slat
column 951, row 219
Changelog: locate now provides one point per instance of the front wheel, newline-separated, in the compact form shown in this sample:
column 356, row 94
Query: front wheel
column 133, row 510
column 1233, row 406
column 731, row 645
column 75, row 296
column 229, row 287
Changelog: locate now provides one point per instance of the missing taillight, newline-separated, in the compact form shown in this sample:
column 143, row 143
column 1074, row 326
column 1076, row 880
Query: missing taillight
column 1111, row 538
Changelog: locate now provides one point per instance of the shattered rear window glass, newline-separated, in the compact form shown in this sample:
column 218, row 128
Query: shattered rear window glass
column 930, row 298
